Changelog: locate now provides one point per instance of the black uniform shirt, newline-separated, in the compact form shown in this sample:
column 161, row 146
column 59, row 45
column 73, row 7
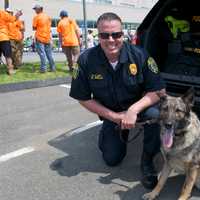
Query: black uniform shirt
column 117, row 89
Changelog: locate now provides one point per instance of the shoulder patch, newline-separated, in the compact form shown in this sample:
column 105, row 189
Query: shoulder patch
column 152, row 65
column 133, row 68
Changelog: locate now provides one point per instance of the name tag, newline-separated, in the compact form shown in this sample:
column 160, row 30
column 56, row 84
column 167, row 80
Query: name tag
column 96, row 77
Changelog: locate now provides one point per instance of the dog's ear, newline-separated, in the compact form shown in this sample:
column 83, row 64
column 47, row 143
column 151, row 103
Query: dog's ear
column 189, row 96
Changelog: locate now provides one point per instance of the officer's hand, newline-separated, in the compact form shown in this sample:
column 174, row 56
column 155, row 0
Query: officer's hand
column 117, row 117
column 129, row 120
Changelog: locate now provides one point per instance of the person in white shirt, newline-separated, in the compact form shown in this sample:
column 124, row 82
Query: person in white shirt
column 90, row 39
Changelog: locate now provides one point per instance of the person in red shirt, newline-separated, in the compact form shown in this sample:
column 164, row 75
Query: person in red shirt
column 69, row 36
column 42, row 26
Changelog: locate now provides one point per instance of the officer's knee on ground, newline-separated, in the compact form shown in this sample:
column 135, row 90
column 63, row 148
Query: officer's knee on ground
column 113, row 159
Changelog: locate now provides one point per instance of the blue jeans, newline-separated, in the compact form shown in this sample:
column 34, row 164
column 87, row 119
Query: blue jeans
column 114, row 149
column 45, row 51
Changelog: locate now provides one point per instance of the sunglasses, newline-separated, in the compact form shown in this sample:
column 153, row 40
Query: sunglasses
column 115, row 35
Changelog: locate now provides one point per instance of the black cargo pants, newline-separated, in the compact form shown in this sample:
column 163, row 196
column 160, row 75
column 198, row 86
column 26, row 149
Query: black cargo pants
column 114, row 148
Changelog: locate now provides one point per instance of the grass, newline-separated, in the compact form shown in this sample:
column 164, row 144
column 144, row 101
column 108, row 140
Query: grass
column 31, row 71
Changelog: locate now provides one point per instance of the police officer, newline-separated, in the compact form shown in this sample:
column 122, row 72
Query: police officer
column 120, row 83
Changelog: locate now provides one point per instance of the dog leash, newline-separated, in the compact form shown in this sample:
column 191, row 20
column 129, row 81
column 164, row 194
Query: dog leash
column 139, row 125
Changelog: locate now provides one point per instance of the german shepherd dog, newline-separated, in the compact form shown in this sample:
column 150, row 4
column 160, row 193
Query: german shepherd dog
column 180, row 143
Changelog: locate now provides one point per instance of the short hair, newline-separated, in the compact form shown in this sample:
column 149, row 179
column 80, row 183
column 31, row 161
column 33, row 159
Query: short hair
column 108, row 16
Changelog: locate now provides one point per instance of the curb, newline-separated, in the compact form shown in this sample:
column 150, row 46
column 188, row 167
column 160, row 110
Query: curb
column 33, row 84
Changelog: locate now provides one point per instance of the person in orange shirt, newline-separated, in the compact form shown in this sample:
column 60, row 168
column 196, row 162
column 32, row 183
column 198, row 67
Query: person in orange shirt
column 16, row 35
column 5, row 47
column 69, row 36
column 42, row 26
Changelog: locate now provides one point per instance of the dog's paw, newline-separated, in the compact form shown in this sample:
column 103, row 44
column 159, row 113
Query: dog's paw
column 149, row 196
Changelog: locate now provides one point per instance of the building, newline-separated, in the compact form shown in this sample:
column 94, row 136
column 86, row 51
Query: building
column 131, row 11
column 129, row 3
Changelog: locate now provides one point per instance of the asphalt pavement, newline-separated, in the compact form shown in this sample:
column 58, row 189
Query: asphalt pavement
column 34, row 57
column 48, row 151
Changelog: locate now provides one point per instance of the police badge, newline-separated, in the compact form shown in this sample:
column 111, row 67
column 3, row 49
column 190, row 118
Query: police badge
column 152, row 65
column 133, row 69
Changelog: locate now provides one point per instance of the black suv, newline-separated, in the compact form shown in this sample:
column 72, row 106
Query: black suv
column 171, row 34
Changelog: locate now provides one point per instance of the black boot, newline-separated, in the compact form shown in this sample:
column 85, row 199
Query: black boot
column 149, row 176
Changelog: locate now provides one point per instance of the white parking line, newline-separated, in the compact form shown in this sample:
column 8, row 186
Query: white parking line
column 26, row 150
column 84, row 128
column 68, row 86
column 15, row 154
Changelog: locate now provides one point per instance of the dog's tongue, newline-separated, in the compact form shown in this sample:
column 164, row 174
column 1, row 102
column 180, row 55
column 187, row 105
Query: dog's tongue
column 167, row 138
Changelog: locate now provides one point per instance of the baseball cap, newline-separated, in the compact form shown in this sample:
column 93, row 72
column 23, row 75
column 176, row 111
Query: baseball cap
column 37, row 7
column 63, row 13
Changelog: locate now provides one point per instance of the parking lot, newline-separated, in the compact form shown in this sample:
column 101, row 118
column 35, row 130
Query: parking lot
column 48, row 150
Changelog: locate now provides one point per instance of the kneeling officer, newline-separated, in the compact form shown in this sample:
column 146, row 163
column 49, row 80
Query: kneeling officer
column 120, row 82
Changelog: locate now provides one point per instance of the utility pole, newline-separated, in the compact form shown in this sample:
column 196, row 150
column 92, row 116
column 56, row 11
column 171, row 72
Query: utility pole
column 85, row 23
column 6, row 4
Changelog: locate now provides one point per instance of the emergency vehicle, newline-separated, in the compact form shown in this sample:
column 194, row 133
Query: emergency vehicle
column 171, row 34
